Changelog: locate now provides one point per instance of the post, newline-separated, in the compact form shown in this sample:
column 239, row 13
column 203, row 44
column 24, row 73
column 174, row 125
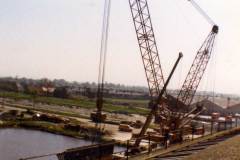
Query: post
column 212, row 126
column 3, row 102
column 218, row 127
column 149, row 144
column 127, row 148
column 203, row 127
column 181, row 135
column 193, row 131
column 236, row 121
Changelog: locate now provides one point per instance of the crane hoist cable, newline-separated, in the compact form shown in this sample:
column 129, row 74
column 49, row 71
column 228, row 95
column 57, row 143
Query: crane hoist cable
column 104, row 42
column 202, row 12
column 98, row 116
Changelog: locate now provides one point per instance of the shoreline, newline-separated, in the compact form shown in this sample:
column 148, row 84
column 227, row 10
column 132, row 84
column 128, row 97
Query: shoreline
column 57, row 129
column 45, row 127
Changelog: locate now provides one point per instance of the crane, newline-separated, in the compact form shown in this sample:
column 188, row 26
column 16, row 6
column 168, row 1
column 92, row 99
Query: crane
column 192, row 81
column 148, row 48
column 150, row 57
column 147, row 44
column 197, row 68
column 98, row 116
column 200, row 62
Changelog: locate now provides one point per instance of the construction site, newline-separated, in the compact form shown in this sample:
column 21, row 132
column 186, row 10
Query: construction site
column 167, row 126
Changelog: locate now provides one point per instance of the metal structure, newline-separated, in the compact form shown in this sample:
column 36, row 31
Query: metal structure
column 150, row 57
column 170, row 116
column 97, row 151
column 179, row 115
column 148, row 47
column 98, row 116
column 156, row 105
column 200, row 62
column 197, row 69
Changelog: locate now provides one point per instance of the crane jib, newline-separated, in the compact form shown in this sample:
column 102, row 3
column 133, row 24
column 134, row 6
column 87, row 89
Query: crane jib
column 147, row 45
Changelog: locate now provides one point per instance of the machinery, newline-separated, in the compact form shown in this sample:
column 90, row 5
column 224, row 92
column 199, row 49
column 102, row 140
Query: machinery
column 172, row 113
column 98, row 116
column 150, row 58
column 148, row 46
column 179, row 115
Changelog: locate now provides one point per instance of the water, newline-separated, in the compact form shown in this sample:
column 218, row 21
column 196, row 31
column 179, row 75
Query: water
column 21, row 143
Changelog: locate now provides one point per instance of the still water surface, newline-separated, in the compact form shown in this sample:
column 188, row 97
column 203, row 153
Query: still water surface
column 21, row 143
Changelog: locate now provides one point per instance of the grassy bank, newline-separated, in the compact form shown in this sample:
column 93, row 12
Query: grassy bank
column 110, row 105
column 7, row 124
column 85, row 133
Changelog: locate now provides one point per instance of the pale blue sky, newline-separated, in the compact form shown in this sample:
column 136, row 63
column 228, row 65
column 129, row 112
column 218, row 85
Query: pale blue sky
column 61, row 39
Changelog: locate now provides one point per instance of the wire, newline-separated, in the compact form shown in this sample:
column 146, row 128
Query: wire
column 215, row 57
column 202, row 12
column 106, row 38
column 185, row 18
column 102, row 64
column 103, row 49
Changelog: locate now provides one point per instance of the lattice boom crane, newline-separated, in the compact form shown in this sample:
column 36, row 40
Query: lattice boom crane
column 197, row 69
column 149, row 52
column 200, row 62
column 147, row 44
column 192, row 81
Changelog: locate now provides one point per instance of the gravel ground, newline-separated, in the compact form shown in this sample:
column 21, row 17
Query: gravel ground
column 227, row 150
column 116, row 134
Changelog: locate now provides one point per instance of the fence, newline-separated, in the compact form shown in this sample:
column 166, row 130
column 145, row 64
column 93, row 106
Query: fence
column 190, row 134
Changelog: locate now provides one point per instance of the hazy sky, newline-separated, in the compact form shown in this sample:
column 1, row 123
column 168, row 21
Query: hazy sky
column 61, row 39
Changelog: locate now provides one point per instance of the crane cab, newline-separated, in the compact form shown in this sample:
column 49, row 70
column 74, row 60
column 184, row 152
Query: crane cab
column 98, row 117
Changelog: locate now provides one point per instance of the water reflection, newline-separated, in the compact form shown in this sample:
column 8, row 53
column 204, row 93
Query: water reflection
column 20, row 143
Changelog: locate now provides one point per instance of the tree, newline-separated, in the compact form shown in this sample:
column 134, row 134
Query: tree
column 61, row 92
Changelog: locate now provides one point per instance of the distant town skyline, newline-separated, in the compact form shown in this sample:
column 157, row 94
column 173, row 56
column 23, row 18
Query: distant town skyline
column 61, row 39
column 108, row 85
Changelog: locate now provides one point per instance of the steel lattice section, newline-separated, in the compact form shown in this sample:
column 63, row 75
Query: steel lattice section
column 147, row 45
column 197, row 69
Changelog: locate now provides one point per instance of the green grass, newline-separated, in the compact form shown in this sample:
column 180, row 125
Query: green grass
column 141, row 103
column 15, row 95
column 49, row 127
column 67, row 102
column 50, row 100
column 7, row 124
column 110, row 105
column 125, row 109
